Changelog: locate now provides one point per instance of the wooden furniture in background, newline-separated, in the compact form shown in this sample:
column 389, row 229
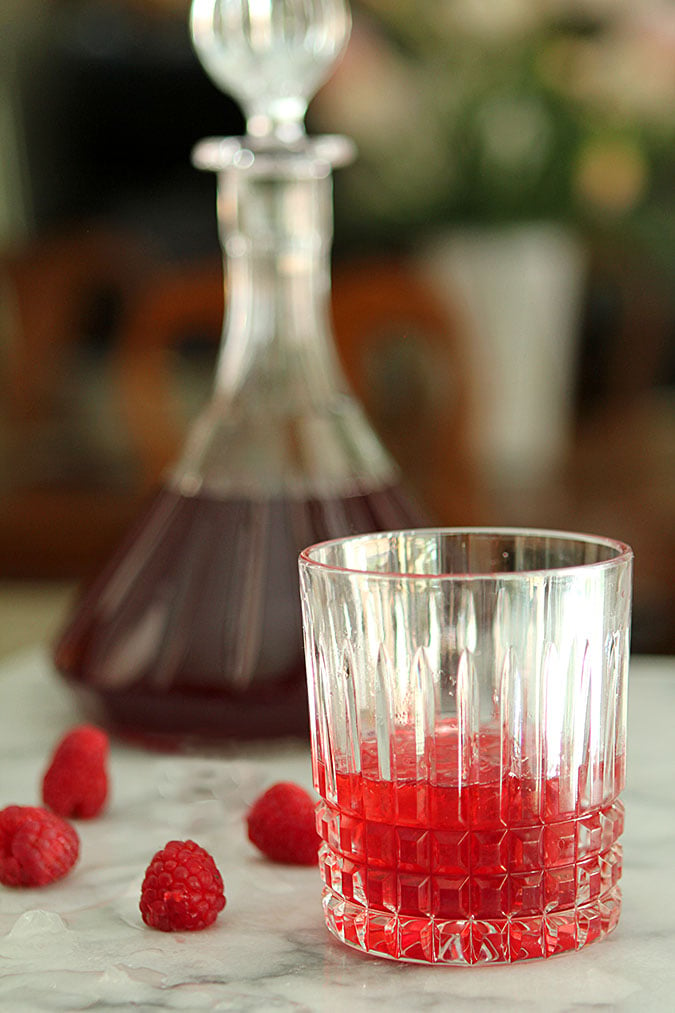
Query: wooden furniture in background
column 58, row 515
column 401, row 353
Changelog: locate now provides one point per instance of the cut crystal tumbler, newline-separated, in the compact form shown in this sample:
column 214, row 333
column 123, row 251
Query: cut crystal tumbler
column 468, row 718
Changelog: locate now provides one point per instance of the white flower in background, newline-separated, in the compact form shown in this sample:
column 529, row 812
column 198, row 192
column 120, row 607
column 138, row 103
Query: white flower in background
column 643, row 62
column 626, row 73
column 369, row 93
column 499, row 108
column 496, row 20
column 444, row 20
column 375, row 98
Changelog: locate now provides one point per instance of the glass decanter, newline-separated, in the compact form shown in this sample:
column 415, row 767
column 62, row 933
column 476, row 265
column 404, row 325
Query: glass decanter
column 192, row 631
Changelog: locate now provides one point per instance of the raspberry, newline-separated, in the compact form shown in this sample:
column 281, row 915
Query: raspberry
column 36, row 846
column 282, row 825
column 76, row 782
column 182, row 889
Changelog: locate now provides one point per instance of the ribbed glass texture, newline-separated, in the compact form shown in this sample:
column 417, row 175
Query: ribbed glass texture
column 468, row 716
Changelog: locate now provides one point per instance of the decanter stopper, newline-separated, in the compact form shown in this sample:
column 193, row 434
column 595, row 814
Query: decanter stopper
column 271, row 55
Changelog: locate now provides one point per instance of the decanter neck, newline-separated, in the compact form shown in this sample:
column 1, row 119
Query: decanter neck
column 282, row 421
column 276, row 233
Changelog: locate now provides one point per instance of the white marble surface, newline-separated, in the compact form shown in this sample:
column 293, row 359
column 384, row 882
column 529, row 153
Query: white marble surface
column 80, row 944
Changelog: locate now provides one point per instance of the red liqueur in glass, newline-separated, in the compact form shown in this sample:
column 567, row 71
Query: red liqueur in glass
column 503, row 869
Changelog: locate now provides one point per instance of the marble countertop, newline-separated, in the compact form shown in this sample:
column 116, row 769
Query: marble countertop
column 80, row 944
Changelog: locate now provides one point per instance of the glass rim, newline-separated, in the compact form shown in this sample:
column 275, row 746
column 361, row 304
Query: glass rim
column 623, row 554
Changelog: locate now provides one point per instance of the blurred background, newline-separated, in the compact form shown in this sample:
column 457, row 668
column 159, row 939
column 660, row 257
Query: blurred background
column 504, row 263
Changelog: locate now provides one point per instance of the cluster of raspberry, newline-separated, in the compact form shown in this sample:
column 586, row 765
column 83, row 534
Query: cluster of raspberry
column 182, row 889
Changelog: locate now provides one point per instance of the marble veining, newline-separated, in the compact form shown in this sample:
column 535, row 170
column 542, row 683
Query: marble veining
column 80, row 944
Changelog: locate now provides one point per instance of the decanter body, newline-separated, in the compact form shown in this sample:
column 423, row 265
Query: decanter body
column 192, row 632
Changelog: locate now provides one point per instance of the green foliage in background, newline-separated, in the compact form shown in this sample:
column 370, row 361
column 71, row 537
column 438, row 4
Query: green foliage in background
column 492, row 111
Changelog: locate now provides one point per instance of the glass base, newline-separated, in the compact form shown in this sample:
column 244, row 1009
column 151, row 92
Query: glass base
column 427, row 940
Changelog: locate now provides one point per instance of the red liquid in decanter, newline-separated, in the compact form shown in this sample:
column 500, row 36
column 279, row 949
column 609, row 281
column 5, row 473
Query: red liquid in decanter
column 193, row 630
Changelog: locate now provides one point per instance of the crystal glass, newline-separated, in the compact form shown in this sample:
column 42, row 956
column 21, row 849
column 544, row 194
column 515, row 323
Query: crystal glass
column 272, row 56
column 468, row 718
column 192, row 630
